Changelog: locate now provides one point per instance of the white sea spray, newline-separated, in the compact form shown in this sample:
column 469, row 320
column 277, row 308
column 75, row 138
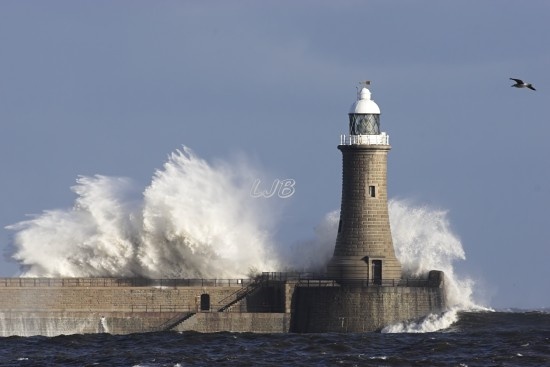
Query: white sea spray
column 194, row 220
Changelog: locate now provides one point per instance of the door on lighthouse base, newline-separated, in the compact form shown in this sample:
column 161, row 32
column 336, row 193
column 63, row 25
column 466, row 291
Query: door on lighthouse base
column 377, row 272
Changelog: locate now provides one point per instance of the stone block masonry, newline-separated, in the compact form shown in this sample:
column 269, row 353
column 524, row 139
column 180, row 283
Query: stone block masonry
column 62, row 307
column 362, row 309
column 274, row 307
column 364, row 238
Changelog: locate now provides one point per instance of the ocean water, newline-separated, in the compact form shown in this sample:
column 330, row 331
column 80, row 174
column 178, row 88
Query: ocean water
column 482, row 338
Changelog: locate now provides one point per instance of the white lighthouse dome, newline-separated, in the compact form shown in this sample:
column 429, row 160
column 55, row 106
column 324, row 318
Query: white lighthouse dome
column 364, row 105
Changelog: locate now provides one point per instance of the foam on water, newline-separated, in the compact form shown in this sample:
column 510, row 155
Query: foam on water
column 430, row 323
column 198, row 219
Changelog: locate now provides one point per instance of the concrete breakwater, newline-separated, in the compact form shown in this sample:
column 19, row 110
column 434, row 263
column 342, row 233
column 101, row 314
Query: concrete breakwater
column 268, row 304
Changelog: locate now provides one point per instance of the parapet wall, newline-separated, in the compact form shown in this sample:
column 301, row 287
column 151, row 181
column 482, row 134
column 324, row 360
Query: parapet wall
column 106, row 299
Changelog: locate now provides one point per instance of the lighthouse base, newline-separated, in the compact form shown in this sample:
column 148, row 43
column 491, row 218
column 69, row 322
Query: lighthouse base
column 365, row 309
column 364, row 271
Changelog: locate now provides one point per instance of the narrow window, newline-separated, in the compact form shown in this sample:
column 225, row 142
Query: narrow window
column 372, row 191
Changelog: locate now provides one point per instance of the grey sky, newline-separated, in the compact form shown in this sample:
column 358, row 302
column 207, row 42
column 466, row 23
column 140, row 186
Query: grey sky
column 112, row 87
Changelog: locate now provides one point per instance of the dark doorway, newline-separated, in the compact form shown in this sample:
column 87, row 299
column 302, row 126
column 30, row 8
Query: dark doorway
column 377, row 272
column 205, row 302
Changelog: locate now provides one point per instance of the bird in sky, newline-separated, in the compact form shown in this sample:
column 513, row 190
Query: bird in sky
column 521, row 84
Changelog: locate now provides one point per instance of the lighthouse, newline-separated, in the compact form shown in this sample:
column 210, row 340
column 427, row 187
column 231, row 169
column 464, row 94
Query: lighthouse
column 364, row 253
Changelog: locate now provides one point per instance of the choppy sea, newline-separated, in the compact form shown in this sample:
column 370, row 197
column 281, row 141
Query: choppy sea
column 511, row 338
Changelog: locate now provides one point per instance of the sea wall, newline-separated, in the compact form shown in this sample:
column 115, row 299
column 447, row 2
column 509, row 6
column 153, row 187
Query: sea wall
column 59, row 307
column 57, row 323
column 361, row 309
column 209, row 322
column 65, row 306
column 52, row 323
column 106, row 299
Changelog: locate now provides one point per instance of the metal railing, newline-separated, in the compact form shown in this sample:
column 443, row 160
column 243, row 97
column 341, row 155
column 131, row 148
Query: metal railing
column 173, row 322
column 235, row 297
column 156, row 308
column 121, row 282
column 322, row 279
column 302, row 277
column 382, row 139
column 291, row 275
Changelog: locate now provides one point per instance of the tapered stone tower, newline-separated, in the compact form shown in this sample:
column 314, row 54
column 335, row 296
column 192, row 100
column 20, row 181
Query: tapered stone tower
column 364, row 252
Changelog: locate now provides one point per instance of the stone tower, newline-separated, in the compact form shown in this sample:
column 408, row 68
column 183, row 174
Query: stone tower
column 364, row 252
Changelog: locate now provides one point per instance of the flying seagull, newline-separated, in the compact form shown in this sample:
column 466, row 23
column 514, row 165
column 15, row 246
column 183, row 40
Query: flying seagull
column 521, row 84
